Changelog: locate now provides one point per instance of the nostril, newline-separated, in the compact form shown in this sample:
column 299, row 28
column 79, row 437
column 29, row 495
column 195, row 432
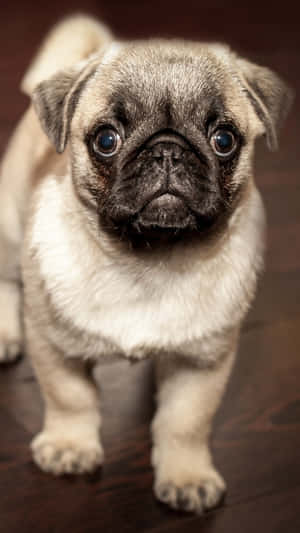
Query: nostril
column 176, row 159
column 167, row 153
column 158, row 158
column 158, row 152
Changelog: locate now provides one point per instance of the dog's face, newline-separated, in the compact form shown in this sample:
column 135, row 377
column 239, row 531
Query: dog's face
column 162, row 134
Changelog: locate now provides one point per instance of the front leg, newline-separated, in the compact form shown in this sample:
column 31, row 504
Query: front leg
column 188, row 396
column 69, row 441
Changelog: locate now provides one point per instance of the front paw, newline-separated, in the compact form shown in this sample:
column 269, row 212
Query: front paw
column 60, row 455
column 197, row 496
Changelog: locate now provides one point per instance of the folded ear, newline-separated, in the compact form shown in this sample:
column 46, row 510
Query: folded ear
column 55, row 101
column 268, row 94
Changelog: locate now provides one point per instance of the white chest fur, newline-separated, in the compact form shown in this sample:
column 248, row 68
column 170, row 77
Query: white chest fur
column 138, row 305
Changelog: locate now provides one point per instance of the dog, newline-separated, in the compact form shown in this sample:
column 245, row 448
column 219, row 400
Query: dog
column 131, row 226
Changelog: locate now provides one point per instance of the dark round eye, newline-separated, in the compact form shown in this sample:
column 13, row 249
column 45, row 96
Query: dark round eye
column 223, row 142
column 107, row 141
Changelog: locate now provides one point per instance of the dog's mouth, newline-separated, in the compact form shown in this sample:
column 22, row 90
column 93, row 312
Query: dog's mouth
column 168, row 217
column 166, row 210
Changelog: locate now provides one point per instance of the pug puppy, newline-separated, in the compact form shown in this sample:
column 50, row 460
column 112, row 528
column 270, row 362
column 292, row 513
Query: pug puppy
column 128, row 186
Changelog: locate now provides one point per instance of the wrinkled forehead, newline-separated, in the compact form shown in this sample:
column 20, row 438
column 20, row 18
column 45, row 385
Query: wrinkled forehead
column 184, row 82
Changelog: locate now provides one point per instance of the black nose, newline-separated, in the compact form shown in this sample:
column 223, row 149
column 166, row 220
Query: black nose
column 167, row 149
column 167, row 155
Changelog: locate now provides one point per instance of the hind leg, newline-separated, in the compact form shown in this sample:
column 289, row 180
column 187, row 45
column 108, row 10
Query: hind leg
column 10, row 321
column 13, row 198
column 10, row 294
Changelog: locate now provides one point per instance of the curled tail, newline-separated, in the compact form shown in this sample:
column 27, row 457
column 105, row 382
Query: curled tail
column 68, row 42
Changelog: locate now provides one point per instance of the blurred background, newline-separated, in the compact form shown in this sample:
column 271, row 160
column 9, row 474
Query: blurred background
column 257, row 430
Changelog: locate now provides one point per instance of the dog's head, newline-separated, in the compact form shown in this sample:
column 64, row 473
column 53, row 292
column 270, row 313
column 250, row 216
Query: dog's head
column 162, row 133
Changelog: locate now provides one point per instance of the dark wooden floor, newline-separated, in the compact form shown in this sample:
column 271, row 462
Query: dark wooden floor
column 257, row 430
